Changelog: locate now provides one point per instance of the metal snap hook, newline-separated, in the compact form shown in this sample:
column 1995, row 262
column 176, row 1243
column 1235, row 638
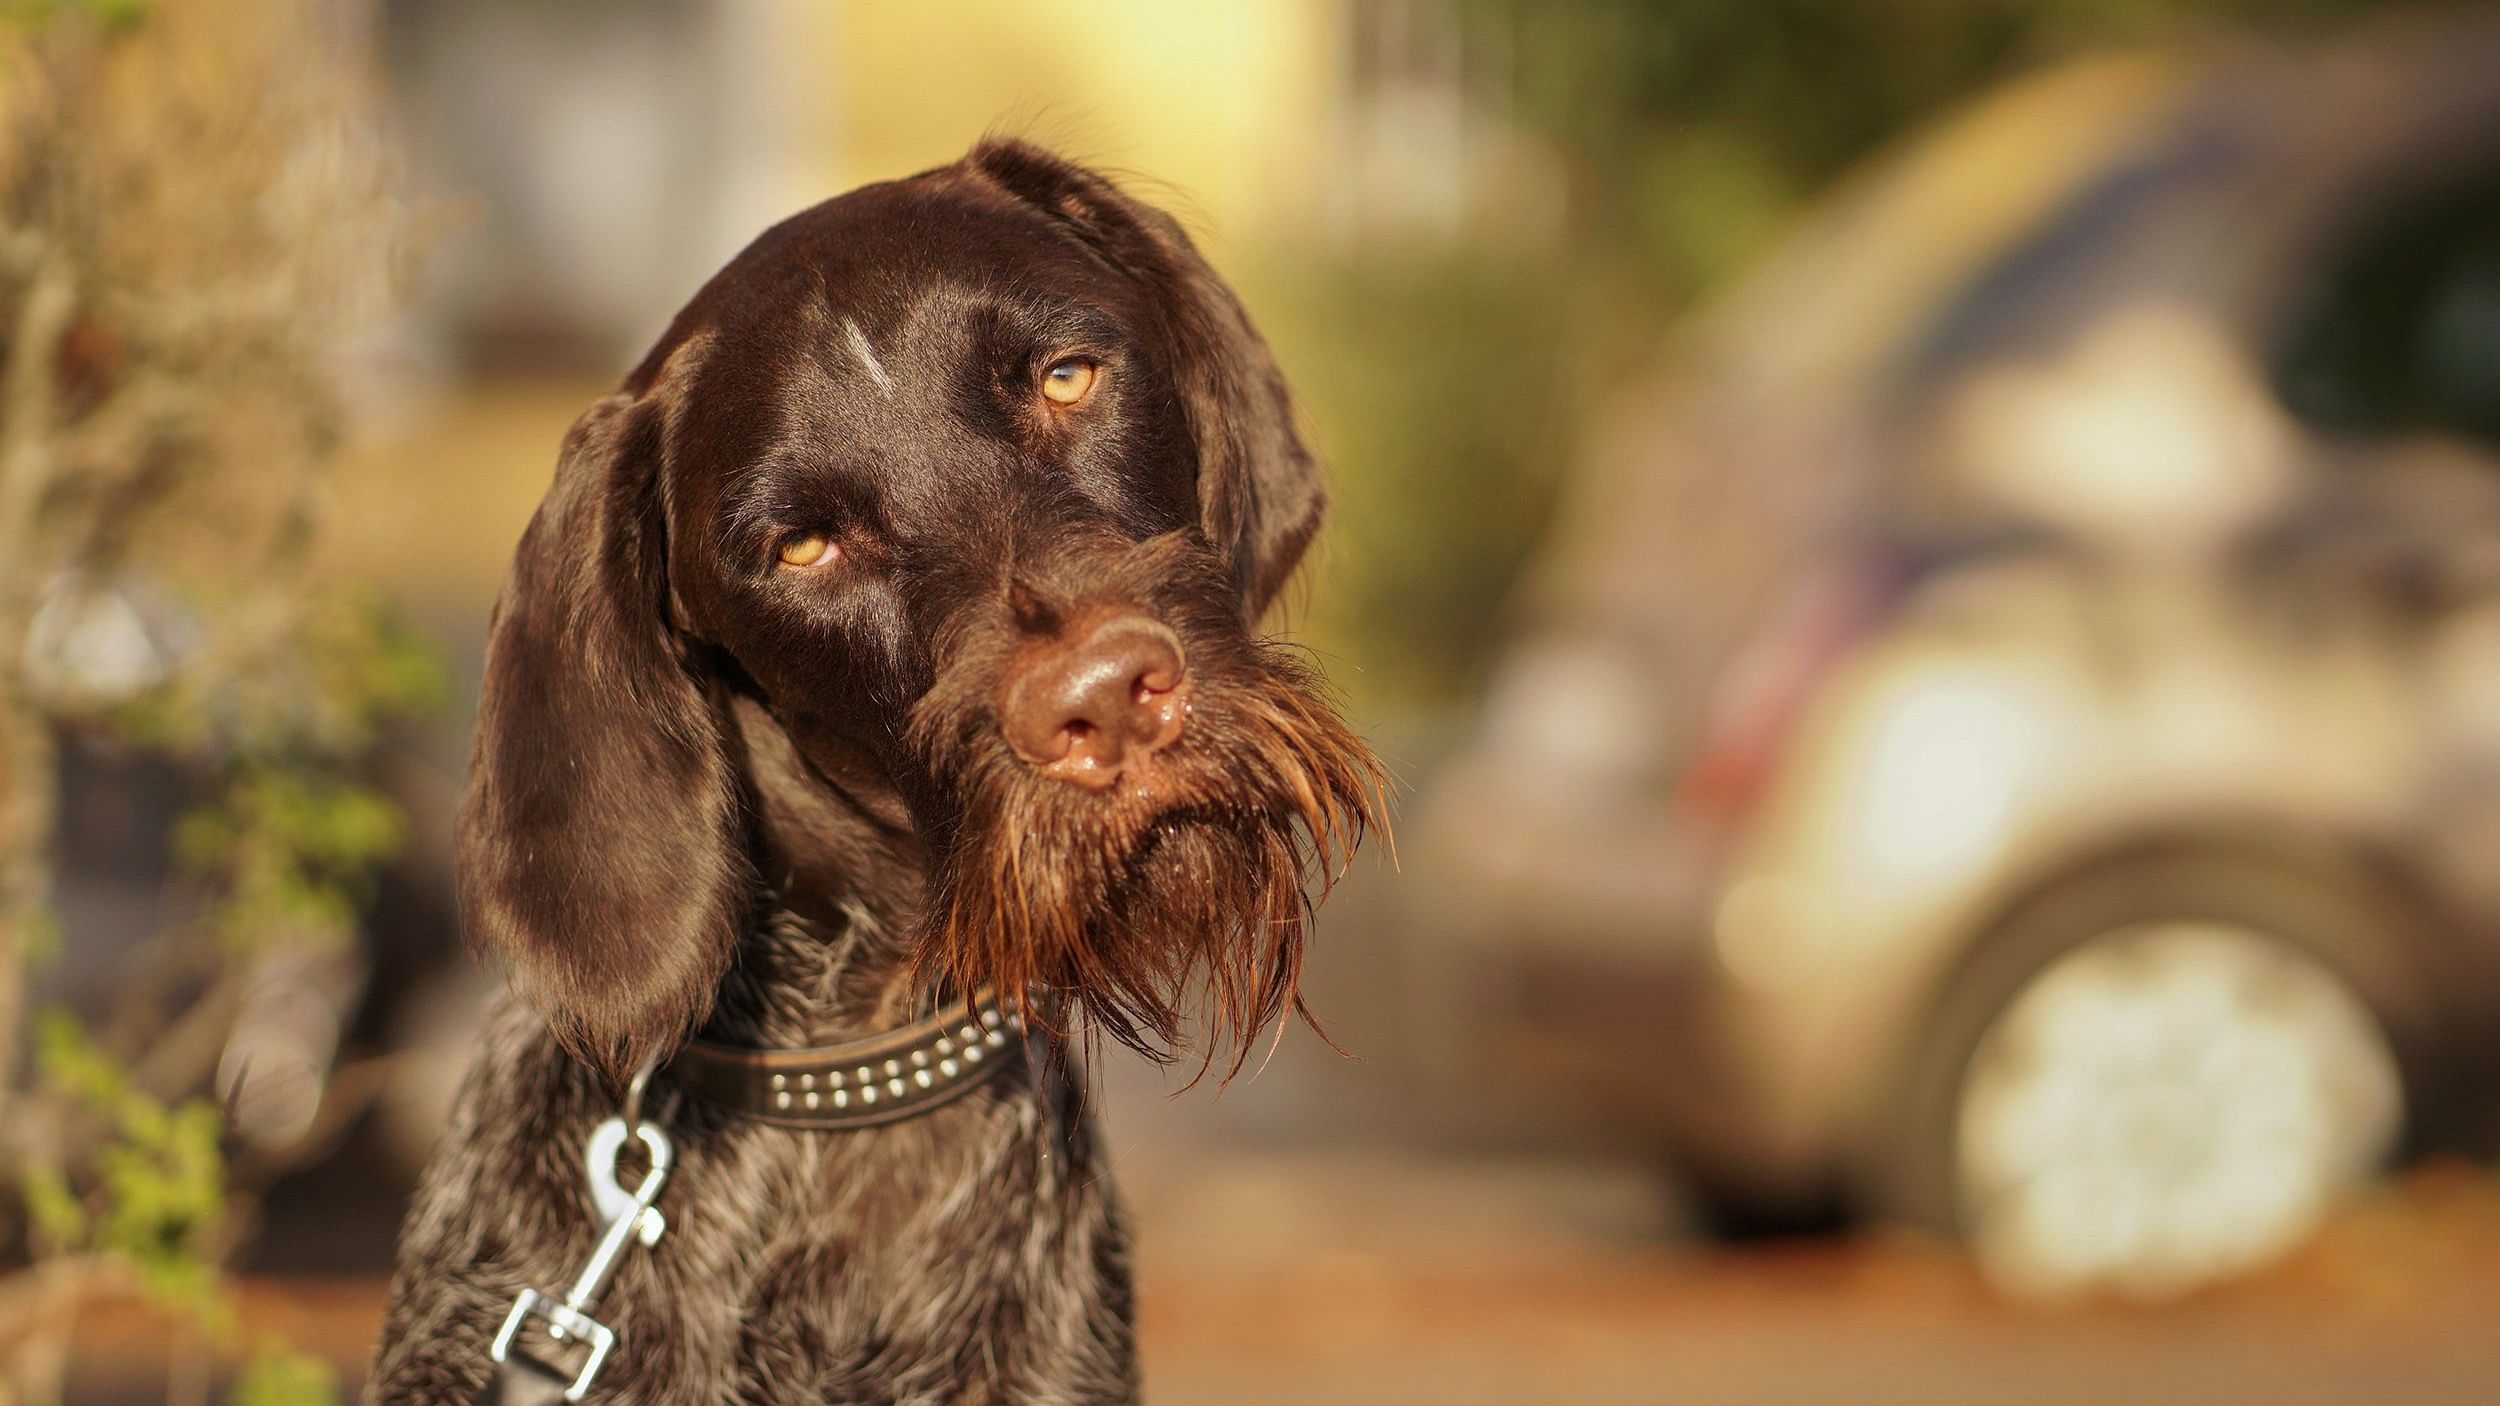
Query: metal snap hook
column 615, row 1202
column 632, row 1112
column 630, row 1216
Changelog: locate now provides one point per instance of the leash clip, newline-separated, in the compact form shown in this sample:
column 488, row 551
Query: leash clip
column 630, row 1216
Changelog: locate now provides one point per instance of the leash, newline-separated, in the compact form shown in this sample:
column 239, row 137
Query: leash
column 833, row 1088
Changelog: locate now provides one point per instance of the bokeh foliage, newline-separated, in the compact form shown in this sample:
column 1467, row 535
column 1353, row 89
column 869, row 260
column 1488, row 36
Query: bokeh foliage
column 1698, row 127
column 198, row 218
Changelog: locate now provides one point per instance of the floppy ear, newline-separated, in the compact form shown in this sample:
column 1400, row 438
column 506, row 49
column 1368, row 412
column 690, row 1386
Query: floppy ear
column 597, row 843
column 1260, row 498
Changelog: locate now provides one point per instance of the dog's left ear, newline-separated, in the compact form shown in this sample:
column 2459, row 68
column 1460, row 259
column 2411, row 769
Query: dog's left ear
column 1260, row 498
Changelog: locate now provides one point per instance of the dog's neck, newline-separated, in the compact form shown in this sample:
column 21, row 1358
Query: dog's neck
column 844, row 873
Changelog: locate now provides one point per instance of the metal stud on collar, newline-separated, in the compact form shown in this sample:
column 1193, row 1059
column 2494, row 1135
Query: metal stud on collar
column 923, row 1070
column 859, row 1084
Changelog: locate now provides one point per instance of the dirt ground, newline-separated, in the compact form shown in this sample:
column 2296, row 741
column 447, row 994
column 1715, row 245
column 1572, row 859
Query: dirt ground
column 1323, row 1277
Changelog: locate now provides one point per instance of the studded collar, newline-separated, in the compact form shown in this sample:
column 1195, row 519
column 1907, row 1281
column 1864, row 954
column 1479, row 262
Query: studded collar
column 860, row 1083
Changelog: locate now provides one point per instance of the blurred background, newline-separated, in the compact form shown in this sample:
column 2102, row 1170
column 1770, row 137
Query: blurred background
column 1929, row 570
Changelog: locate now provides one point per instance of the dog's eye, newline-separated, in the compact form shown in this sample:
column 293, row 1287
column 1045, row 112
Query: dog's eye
column 1070, row 380
column 811, row 550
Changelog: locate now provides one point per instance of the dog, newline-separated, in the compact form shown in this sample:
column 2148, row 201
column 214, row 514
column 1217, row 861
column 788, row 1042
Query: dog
column 888, row 639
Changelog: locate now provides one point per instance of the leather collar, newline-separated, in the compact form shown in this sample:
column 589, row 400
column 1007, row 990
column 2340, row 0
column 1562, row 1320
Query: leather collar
column 861, row 1083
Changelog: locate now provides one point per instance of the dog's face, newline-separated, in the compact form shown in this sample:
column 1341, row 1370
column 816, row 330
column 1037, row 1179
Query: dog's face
column 977, row 483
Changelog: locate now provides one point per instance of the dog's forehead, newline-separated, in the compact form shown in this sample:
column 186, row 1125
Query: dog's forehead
column 848, row 343
column 871, row 311
column 895, row 261
column 876, row 298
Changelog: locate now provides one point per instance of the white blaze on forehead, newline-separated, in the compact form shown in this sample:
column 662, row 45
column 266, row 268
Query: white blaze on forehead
column 867, row 355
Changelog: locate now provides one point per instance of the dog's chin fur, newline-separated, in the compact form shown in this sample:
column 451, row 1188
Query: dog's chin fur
column 1104, row 913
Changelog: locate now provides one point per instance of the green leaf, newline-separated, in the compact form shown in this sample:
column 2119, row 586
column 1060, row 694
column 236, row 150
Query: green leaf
column 53, row 1208
column 117, row 14
column 279, row 1376
column 70, row 1064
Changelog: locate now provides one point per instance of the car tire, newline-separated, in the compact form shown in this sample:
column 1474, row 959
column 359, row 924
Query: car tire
column 2129, row 1161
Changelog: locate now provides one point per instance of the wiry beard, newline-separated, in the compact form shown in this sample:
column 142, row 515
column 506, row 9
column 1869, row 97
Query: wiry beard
column 1102, row 914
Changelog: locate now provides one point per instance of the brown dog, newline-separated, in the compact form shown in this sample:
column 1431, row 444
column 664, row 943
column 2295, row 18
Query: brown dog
column 887, row 637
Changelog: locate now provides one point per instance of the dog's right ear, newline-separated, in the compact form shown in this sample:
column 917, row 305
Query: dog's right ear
column 597, row 843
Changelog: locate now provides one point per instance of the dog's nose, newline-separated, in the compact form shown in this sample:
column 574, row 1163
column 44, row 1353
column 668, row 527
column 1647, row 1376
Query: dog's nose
column 1078, row 710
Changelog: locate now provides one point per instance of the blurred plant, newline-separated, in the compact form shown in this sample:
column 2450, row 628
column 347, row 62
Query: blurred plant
column 1445, row 445
column 196, row 220
column 1698, row 128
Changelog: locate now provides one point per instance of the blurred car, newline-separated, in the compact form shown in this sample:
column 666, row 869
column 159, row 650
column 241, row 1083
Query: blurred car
column 2006, row 733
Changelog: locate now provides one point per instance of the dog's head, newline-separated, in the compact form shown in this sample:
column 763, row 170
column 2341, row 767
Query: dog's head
column 977, row 483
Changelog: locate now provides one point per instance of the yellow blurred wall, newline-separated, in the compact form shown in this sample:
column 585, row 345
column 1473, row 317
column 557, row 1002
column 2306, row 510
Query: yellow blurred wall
column 1224, row 104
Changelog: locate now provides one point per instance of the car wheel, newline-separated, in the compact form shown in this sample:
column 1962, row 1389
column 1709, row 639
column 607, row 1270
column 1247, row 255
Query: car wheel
column 2156, row 1079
